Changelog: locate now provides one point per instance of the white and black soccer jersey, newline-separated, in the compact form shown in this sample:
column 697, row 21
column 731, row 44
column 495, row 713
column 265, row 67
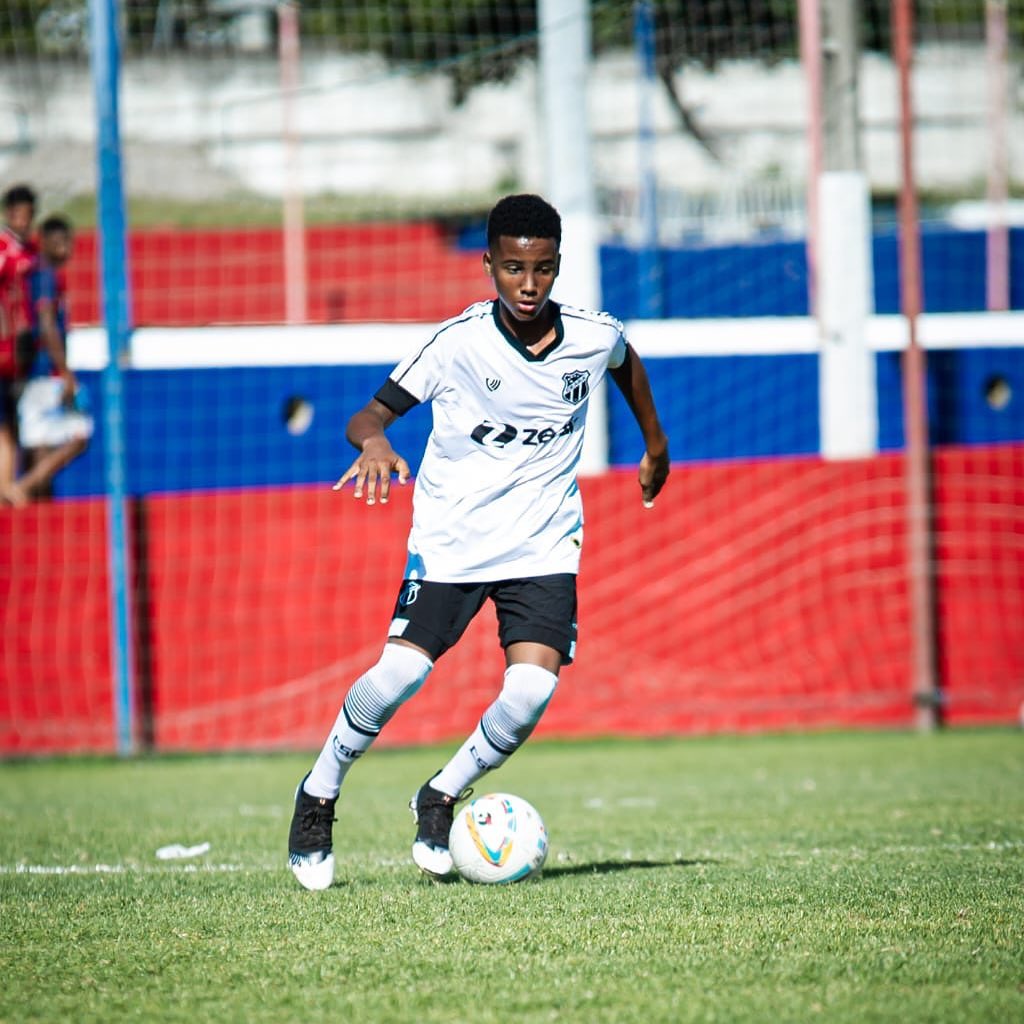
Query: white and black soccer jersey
column 496, row 496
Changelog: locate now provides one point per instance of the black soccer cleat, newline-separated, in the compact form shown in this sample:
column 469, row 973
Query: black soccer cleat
column 310, row 842
column 433, row 812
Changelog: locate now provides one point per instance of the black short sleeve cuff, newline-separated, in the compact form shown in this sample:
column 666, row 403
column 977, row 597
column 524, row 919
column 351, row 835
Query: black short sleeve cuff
column 395, row 397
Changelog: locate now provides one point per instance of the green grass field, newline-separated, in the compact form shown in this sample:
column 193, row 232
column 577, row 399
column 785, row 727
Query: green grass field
column 833, row 877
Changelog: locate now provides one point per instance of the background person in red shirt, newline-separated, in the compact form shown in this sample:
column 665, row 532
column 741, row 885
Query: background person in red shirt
column 17, row 259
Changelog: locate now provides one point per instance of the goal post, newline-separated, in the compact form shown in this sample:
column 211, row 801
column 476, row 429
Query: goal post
column 920, row 513
column 997, row 250
column 116, row 294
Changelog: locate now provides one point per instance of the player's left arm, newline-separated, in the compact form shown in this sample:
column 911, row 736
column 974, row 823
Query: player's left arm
column 631, row 379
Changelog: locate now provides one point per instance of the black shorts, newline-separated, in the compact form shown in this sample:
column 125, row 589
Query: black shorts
column 9, row 391
column 534, row 609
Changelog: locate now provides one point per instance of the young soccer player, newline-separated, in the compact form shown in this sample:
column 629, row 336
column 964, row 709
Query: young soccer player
column 496, row 515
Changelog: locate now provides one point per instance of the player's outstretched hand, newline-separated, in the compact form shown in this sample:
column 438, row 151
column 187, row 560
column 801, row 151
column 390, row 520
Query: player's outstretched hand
column 372, row 473
column 653, row 474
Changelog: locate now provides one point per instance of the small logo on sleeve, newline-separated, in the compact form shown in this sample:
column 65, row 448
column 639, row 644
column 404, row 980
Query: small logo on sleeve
column 493, row 383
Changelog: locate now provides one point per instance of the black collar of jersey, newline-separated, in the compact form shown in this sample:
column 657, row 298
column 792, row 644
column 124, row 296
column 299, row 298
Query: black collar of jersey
column 518, row 345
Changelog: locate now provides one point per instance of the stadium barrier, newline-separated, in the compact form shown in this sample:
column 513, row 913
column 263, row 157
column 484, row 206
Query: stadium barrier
column 362, row 273
column 767, row 590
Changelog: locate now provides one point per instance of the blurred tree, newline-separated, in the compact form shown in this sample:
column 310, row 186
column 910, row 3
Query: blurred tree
column 484, row 40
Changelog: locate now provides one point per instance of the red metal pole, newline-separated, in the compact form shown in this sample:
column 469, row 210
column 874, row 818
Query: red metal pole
column 915, row 409
column 296, row 308
column 997, row 247
column 810, row 57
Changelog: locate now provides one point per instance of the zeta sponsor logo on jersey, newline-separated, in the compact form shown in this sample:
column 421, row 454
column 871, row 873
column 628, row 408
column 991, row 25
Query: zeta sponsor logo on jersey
column 493, row 383
column 576, row 386
column 499, row 435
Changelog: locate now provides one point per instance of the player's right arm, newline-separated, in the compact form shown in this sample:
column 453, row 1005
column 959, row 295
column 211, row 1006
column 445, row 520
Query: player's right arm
column 377, row 460
column 414, row 380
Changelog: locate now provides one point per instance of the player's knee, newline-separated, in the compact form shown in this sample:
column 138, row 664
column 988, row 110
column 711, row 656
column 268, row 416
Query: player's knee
column 527, row 690
column 399, row 673
column 378, row 693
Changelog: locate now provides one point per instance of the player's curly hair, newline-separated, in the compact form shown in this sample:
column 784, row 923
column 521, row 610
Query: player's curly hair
column 18, row 194
column 55, row 222
column 524, row 216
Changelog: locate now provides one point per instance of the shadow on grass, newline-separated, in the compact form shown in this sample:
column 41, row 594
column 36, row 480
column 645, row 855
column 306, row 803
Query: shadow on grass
column 596, row 867
column 607, row 867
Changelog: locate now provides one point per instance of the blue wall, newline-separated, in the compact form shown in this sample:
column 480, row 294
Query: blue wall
column 225, row 428
column 770, row 278
column 222, row 428
column 958, row 410
column 720, row 407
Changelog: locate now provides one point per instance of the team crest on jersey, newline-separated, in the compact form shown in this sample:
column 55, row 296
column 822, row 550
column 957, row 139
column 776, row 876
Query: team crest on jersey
column 493, row 383
column 576, row 386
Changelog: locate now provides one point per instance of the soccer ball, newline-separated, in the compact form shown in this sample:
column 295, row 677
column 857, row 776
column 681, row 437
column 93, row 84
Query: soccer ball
column 498, row 838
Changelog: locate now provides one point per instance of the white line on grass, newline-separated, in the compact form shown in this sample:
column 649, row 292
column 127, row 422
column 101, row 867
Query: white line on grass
column 392, row 863
column 903, row 849
column 174, row 868
column 130, row 869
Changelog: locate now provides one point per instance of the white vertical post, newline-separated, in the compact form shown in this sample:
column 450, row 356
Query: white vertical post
column 564, row 66
column 294, row 227
column 844, row 281
column 847, row 389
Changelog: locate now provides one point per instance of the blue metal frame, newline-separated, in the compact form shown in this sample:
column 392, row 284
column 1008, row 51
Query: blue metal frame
column 105, row 50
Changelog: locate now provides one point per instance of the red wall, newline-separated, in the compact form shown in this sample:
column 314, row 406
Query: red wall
column 756, row 595
column 358, row 272
column 55, row 688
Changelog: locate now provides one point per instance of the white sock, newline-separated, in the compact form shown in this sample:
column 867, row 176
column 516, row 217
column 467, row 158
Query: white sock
column 472, row 761
column 502, row 730
column 368, row 706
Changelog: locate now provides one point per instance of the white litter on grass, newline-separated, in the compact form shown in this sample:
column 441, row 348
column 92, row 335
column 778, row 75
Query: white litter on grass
column 273, row 811
column 178, row 852
column 597, row 803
